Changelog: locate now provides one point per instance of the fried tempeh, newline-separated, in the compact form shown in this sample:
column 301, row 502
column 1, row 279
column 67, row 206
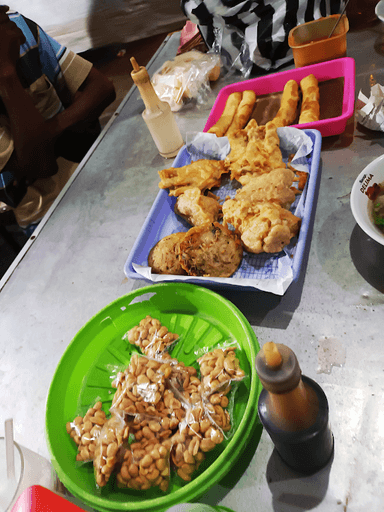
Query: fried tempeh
column 225, row 120
column 310, row 107
column 287, row 112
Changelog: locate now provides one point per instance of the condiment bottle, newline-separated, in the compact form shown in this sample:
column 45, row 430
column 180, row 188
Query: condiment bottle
column 293, row 409
column 157, row 115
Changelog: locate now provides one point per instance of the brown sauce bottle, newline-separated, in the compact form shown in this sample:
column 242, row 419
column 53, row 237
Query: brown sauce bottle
column 293, row 409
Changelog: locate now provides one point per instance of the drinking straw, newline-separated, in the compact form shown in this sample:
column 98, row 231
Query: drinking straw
column 9, row 449
column 339, row 18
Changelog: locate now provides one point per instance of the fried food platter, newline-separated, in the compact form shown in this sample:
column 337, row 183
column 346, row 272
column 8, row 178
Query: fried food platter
column 268, row 272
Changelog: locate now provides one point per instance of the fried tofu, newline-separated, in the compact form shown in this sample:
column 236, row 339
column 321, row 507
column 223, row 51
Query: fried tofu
column 263, row 226
column 196, row 208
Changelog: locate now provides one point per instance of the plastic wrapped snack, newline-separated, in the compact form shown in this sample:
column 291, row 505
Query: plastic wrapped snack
column 114, row 434
column 146, row 461
column 186, row 77
column 151, row 337
column 85, row 431
column 218, row 369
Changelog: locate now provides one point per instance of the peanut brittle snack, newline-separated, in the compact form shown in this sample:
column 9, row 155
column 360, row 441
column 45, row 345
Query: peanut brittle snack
column 145, row 465
column 110, row 441
column 151, row 337
column 218, row 369
column 140, row 386
column 85, row 431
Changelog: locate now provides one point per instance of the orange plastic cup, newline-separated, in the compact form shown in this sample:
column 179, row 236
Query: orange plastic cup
column 310, row 42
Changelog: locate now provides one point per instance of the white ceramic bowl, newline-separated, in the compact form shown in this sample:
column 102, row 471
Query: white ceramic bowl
column 373, row 173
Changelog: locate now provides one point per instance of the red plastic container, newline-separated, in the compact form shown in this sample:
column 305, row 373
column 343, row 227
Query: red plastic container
column 39, row 499
column 337, row 68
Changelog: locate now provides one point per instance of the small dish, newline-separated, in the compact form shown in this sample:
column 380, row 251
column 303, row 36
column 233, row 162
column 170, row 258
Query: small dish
column 373, row 173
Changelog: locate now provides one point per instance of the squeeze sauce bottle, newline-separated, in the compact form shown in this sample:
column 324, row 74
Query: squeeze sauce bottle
column 157, row 115
column 293, row 409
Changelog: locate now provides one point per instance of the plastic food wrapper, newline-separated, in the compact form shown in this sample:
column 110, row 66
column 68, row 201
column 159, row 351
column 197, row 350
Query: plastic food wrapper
column 85, row 431
column 371, row 113
column 146, row 464
column 109, row 443
column 187, row 77
column 218, row 369
column 151, row 337
column 141, row 385
column 267, row 272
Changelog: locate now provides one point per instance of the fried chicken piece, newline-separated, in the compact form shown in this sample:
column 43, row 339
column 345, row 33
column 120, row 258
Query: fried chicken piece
column 210, row 250
column 203, row 174
column 264, row 226
column 197, row 208
column 274, row 186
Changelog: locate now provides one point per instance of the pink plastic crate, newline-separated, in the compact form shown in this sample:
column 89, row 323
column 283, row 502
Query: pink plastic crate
column 344, row 67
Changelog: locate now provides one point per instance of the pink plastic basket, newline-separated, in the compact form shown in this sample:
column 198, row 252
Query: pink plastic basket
column 344, row 67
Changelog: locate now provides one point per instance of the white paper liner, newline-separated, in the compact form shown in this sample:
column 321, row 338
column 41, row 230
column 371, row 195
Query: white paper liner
column 371, row 115
column 273, row 274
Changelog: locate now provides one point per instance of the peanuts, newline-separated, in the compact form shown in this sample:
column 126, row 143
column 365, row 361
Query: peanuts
column 218, row 368
column 114, row 433
column 174, row 417
column 145, row 467
column 85, row 431
column 151, row 337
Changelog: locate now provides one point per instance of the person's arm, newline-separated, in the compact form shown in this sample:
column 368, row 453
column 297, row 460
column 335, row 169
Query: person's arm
column 33, row 147
column 33, row 136
column 93, row 96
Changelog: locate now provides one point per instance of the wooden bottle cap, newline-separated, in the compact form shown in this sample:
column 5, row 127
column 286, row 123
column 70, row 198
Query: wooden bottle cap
column 139, row 74
column 272, row 355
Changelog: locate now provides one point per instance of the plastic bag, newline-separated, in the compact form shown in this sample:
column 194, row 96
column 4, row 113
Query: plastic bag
column 151, row 337
column 85, row 430
column 109, row 443
column 186, row 78
column 146, row 464
column 251, row 32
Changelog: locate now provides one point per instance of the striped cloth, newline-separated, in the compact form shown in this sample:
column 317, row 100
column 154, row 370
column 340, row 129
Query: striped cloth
column 254, row 33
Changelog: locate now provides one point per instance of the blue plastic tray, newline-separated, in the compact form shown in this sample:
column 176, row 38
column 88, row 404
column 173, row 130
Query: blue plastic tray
column 162, row 221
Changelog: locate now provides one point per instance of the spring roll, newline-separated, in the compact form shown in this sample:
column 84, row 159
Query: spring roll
column 225, row 120
column 310, row 107
column 243, row 112
column 286, row 114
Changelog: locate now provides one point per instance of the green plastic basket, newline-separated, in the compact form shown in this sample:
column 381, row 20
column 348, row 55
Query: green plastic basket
column 202, row 318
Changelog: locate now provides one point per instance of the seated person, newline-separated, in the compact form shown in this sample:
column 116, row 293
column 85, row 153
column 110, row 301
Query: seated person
column 50, row 101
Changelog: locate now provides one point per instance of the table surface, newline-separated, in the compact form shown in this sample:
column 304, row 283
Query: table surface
column 73, row 267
